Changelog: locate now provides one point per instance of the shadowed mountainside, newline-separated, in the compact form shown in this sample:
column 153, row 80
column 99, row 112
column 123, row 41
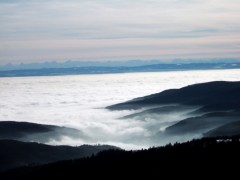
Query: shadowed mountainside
column 15, row 153
column 212, row 95
column 25, row 131
column 204, row 157
column 149, row 113
column 194, row 110
column 229, row 129
column 203, row 123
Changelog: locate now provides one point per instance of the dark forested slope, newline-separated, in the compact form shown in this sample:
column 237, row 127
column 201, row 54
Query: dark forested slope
column 15, row 153
column 197, row 157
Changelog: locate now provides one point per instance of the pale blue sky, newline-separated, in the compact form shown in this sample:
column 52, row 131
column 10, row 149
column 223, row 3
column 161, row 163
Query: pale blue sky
column 60, row 30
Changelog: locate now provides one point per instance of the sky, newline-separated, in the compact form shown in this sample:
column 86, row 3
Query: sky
column 104, row 30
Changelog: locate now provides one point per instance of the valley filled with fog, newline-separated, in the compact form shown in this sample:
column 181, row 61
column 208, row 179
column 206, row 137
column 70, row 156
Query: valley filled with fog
column 79, row 102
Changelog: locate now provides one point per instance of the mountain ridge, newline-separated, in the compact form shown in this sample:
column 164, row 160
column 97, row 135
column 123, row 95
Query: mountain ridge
column 192, row 111
column 26, row 131
column 204, row 157
column 16, row 153
column 196, row 94
column 53, row 71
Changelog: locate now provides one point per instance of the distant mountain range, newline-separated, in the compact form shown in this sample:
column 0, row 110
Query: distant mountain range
column 128, row 63
column 97, row 69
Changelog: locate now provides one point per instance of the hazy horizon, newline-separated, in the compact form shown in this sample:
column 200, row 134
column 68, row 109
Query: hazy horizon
column 226, row 63
column 109, row 30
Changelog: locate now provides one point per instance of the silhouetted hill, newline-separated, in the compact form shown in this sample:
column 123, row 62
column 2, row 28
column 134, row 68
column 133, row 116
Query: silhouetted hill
column 149, row 113
column 229, row 129
column 12, row 129
column 25, row 131
column 192, row 111
column 197, row 158
column 214, row 94
column 15, row 153
column 202, row 124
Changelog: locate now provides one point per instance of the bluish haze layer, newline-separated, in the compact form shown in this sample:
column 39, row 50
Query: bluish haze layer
column 47, row 30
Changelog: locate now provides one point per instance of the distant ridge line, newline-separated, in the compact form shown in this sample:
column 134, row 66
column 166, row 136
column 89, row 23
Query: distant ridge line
column 117, row 69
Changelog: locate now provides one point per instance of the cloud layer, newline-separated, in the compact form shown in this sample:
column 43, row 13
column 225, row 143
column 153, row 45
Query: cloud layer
column 78, row 101
column 118, row 30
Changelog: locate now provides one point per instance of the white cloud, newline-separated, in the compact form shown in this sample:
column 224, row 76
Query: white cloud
column 77, row 102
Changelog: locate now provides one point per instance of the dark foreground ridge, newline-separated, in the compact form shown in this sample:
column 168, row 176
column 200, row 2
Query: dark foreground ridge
column 198, row 158
column 20, row 144
column 14, row 154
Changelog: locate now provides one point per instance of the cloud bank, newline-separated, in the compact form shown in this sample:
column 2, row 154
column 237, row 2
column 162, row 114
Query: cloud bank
column 118, row 30
column 79, row 101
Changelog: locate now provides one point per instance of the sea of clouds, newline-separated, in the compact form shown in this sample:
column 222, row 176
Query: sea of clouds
column 79, row 101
